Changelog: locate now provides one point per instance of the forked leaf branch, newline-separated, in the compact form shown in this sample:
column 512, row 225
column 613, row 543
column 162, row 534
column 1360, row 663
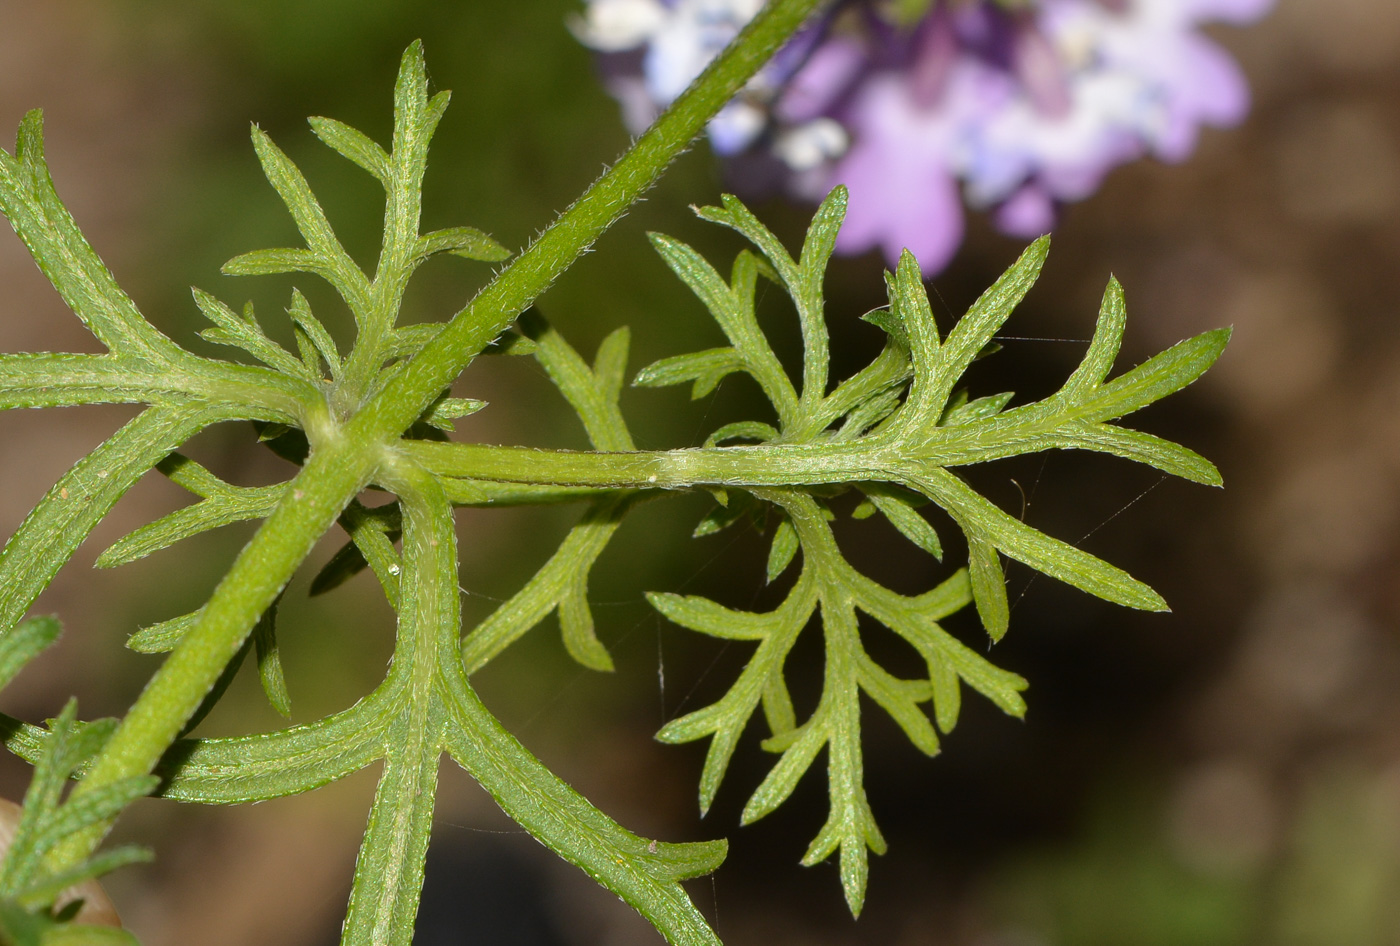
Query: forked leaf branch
column 374, row 416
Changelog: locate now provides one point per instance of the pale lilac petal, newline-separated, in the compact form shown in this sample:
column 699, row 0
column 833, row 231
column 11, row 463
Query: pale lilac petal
column 1177, row 139
column 1019, row 111
column 735, row 127
column 1041, row 72
column 1212, row 91
column 1217, row 89
column 826, row 75
column 900, row 203
column 992, row 173
column 1029, row 213
column 1071, row 180
column 1230, row 11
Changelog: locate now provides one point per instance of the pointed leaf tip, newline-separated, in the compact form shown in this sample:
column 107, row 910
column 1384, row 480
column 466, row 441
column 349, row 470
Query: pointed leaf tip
column 412, row 83
column 411, row 63
column 29, row 139
column 353, row 144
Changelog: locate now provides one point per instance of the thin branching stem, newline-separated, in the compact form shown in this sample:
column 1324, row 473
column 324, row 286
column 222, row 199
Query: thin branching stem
column 345, row 458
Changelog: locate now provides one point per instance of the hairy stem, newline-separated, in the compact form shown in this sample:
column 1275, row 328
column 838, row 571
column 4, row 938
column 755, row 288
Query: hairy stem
column 389, row 870
column 412, row 388
column 344, row 460
column 331, row 477
column 766, row 465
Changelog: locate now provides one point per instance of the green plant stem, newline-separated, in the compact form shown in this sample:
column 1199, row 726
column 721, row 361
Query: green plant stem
column 764, row 465
column 402, row 210
column 412, row 388
column 442, row 711
column 344, row 460
column 319, row 493
column 61, row 380
column 810, row 464
column 389, row 870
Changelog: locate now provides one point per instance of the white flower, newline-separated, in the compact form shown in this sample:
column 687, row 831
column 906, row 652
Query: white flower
column 612, row 26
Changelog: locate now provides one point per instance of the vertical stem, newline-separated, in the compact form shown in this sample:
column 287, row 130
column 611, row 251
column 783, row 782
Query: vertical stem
column 389, row 870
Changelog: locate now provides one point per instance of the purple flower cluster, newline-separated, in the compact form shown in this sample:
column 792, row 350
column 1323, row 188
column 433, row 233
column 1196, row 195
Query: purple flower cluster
column 1012, row 107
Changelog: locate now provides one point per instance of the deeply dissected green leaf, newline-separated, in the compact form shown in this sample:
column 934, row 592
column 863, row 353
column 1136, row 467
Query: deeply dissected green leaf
column 231, row 329
column 782, row 779
column 975, row 329
column 1103, row 347
column 883, row 380
column 330, row 258
column 233, row 504
column 742, row 430
column 901, row 411
column 52, row 886
column 1165, row 455
column 562, row 584
column 274, row 261
column 382, row 911
column 27, row 881
column 802, row 278
column 592, row 392
column 46, row 379
column 828, row 583
column 448, row 409
column 311, row 328
column 274, row 683
column 901, row 699
column 911, row 321
column 645, row 873
column 29, row 202
column 610, row 365
column 252, row 768
column 975, row 410
column 982, row 519
column 1157, row 377
column 821, row 235
column 893, row 426
column 870, row 416
column 732, row 306
column 708, row 617
column 721, row 518
column 988, row 586
column 733, row 214
column 407, row 340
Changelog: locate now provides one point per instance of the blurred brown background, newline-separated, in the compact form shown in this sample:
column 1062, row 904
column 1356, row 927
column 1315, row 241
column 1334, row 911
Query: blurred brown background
column 1225, row 774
